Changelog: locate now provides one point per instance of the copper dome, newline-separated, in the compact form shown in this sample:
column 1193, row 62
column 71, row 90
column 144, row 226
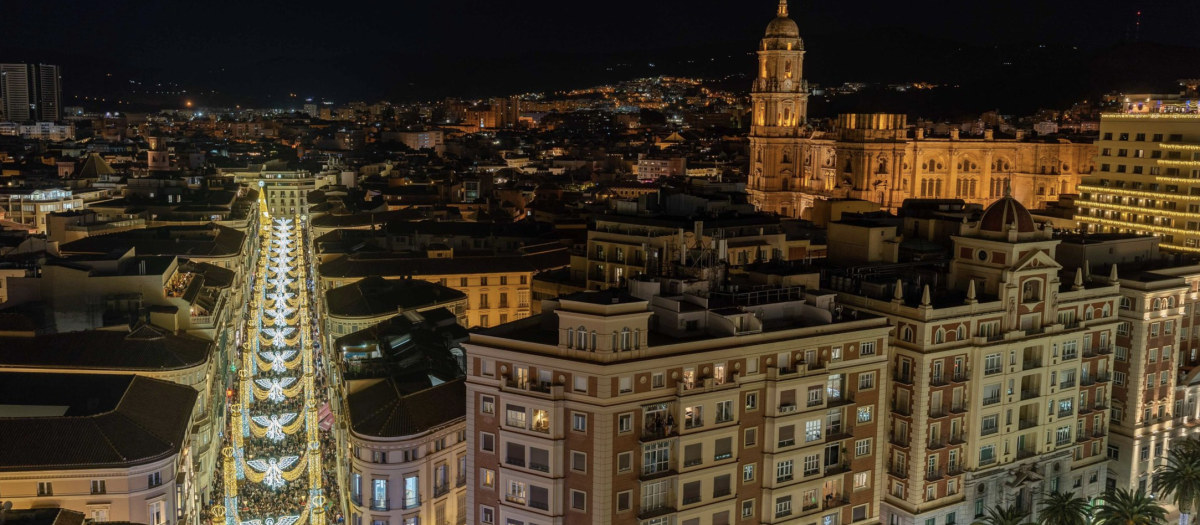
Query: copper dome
column 1004, row 213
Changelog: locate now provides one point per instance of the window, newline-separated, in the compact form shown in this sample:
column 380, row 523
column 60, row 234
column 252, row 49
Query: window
column 158, row 513
column 624, row 462
column 862, row 447
column 866, row 380
column 578, row 500
column 991, row 394
column 625, row 385
column 723, row 449
column 154, row 479
column 487, row 404
column 748, row 508
column 693, row 416
column 579, row 422
column 517, row 492
column 864, row 414
column 516, row 416
column 625, row 423
column 748, row 473
column 624, row 500
column 578, row 461
column 750, row 437
column 658, row 380
column 581, row 384
column 1119, row 378
column 487, row 442
column 812, row 464
column 783, row 506
column 751, row 400
column 862, row 480
column 487, row 515
column 987, row 454
column 98, row 487
column 783, row 471
column 812, row 430
column 867, row 348
column 991, row 364
column 656, row 457
column 724, row 411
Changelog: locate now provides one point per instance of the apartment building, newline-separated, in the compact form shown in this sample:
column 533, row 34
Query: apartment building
column 113, row 447
column 31, row 206
column 373, row 300
column 1001, row 368
column 145, row 351
column 286, row 192
column 622, row 246
column 1155, row 354
column 758, row 407
column 402, row 393
column 496, row 283
column 1146, row 181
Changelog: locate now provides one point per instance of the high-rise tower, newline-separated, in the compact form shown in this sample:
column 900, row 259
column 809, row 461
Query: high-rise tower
column 780, row 105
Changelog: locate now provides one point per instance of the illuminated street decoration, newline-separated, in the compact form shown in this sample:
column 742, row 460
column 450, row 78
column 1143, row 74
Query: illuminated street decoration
column 279, row 359
column 276, row 387
column 285, row 520
column 275, row 424
column 272, row 469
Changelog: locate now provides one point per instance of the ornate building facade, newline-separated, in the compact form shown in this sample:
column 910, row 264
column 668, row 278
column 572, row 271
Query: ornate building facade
column 875, row 157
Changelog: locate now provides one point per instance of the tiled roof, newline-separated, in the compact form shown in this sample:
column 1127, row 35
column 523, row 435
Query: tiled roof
column 374, row 296
column 183, row 241
column 382, row 410
column 390, row 264
column 145, row 348
column 110, row 421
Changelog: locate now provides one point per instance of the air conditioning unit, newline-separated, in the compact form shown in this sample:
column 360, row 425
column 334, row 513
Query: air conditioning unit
column 787, row 409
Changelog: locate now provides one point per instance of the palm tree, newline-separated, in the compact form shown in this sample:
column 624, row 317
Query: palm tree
column 1063, row 508
column 1179, row 480
column 1128, row 507
column 1005, row 516
column 1189, row 445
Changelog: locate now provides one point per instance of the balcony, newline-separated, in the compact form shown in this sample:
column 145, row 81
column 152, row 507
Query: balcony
column 903, row 410
column 1066, row 413
column 381, row 504
column 959, row 408
column 1031, row 364
column 412, row 503
column 721, row 493
column 1100, row 432
column 688, row 500
column 1089, row 352
column 1026, row 453
column 898, row 440
column 1104, row 349
column 539, row 467
column 837, row 432
column 936, row 444
column 836, row 500
column 1029, row 394
column 1103, row 377
column 1070, row 383
column 460, row 481
column 1087, row 380
column 987, row 431
column 958, row 439
column 539, row 505
column 843, row 398
column 954, row 470
column 901, row 378
column 991, row 400
column 960, row 377
column 938, row 380
column 440, row 489
column 1026, row 423
column 934, row 474
column 897, row 470
column 938, row 411
column 515, row 461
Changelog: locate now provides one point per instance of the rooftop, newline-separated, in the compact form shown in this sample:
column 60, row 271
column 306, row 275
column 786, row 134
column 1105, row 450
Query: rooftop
column 146, row 348
column 373, row 296
column 76, row 421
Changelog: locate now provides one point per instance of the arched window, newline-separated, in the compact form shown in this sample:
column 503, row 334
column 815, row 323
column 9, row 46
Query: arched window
column 1126, row 303
column 582, row 338
column 1031, row 291
column 906, row 334
column 1106, row 311
column 1171, row 302
column 1089, row 314
column 1157, row 305
column 637, row 338
column 593, row 340
column 625, row 344
column 939, row 336
column 960, row 334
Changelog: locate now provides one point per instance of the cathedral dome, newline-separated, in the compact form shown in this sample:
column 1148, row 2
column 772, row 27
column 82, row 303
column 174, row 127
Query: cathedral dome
column 1006, row 213
column 782, row 26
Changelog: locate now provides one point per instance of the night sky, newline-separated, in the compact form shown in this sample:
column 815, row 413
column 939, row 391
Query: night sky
column 409, row 48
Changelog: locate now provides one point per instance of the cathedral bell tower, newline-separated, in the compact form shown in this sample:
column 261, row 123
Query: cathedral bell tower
column 779, row 107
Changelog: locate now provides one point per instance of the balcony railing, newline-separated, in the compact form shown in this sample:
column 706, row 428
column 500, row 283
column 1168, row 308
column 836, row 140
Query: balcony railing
column 991, row 400
column 958, row 408
column 515, row 461
column 938, row 411
column 901, row 378
column 960, row 377
column 1105, row 349
column 1031, row 364
column 720, row 493
column 688, row 500
column 935, row 444
column 540, row 505
column 1087, row 380
column 1070, row 383
column 381, row 504
column 958, row 439
column 1026, row 453
column 1029, row 394
column 938, row 380
column 903, row 410
column 460, row 481
column 987, row 431
column 896, row 470
column 542, row 467
column 412, row 503
column 934, row 474
column 440, row 489
column 898, row 440
column 1103, row 377
column 1027, row 423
